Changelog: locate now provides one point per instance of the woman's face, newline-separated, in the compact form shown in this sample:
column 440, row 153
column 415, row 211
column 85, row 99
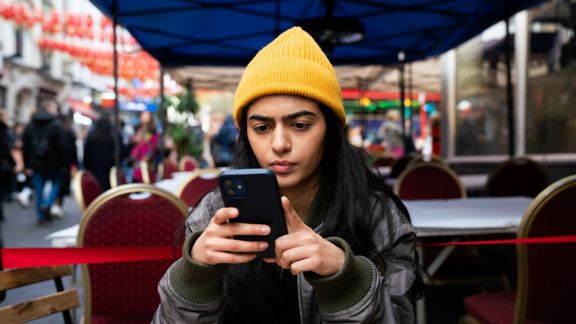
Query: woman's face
column 287, row 135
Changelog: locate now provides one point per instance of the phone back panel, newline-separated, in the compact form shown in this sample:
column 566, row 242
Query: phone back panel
column 255, row 193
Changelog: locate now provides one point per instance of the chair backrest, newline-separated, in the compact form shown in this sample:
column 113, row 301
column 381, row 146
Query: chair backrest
column 399, row 165
column 197, row 185
column 546, row 286
column 188, row 163
column 132, row 215
column 148, row 174
column 166, row 169
column 383, row 160
column 60, row 301
column 517, row 177
column 117, row 177
column 429, row 180
column 419, row 158
column 86, row 188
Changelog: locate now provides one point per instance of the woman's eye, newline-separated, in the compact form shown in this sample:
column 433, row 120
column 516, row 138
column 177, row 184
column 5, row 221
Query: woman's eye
column 301, row 125
column 260, row 128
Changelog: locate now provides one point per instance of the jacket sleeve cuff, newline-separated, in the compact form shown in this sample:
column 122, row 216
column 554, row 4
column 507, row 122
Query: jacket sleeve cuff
column 345, row 288
column 196, row 282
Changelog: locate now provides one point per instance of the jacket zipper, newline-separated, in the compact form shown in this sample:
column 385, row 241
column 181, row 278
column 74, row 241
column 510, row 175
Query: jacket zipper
column 298, row 280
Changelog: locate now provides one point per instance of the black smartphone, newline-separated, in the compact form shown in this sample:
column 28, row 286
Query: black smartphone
column 255, row 193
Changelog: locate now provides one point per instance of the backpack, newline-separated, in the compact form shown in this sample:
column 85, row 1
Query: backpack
column 40, row 144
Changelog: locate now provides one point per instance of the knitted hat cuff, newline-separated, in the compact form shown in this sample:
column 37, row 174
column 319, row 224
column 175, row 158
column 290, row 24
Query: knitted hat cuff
column 292, row 64
column 270, row 80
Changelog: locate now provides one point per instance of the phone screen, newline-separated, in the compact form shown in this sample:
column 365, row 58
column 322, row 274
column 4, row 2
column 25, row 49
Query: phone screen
column 255, row 193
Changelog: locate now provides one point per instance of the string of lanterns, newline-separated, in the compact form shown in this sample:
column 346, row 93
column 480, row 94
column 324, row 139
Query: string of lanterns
column 78, row 28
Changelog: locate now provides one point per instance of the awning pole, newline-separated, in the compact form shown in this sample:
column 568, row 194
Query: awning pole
column 163, row 115
column 116, row 94
column 509, row 97
column 402, row 94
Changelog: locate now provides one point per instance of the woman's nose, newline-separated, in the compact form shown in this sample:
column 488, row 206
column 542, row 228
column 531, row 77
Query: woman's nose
column 281, row 140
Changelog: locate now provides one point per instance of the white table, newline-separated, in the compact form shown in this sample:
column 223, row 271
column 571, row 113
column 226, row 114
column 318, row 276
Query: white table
column 454, row 218
column 173, row 184
column 468, row 216
column 471, row 182
column 65, row 237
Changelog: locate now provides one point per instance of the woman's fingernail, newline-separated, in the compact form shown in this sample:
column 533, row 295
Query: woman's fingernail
column 263, row 245
column 264, row 229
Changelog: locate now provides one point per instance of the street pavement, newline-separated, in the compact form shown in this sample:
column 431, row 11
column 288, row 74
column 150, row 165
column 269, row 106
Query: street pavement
column 20, row 229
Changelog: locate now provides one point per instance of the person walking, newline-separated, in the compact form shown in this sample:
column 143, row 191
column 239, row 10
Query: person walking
column 99, row 151
column 70, row 163
column 44, row 157
column 7, row 164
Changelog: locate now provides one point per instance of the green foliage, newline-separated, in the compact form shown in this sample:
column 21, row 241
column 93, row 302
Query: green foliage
column 187, row 102
column 186, row 141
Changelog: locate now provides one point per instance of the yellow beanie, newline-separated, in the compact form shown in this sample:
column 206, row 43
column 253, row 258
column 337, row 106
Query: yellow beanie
column 292, row 64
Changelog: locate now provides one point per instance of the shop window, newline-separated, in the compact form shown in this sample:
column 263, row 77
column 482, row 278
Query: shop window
column 481, row 104
column 551, row 98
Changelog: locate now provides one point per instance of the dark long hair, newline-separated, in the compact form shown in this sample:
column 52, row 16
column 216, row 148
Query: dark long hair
column 347, row 183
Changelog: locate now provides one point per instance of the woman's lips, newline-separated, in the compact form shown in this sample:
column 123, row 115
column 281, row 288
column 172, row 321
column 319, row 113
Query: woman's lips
column 282, row 166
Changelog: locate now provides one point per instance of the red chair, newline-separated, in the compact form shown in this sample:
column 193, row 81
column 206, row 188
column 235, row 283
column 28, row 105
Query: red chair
column 517, row 177
column 132, row 215
column 188, row 163
column 86, row 188
column 546, row 290
column 166, row 169
column 429, row 180
column 384, row 160
column 117, row 177
column 197, row 185
column 147, row 172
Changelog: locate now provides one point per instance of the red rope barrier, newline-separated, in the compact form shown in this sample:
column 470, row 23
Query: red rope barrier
column 530, row 240
column 40, row 257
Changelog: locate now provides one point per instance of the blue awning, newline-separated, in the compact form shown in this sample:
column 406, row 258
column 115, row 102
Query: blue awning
column 229, row 33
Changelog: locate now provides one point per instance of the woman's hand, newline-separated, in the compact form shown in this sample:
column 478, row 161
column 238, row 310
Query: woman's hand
column 302, row 249
column 216, row 244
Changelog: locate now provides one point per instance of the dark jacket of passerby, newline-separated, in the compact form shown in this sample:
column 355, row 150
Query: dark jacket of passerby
column 43, row 143
column 99, row 151
column 71, row 159
column 7, row 162
column 6, row 167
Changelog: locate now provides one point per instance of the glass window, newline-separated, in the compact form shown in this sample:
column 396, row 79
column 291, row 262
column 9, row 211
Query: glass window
column 551, row 95
column 481, row 104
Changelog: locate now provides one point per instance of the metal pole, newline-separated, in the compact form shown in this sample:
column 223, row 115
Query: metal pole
column 116, row 94
column 509, row 97
column 411, row 98
column 163, row 115
column 402, row 94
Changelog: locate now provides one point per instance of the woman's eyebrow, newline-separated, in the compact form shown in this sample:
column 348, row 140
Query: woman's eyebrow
column 298, row 114
column 285, row 118
column 260, row 118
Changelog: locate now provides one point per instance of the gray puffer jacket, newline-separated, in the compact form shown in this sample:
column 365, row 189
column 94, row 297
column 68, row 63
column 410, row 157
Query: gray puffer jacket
column 362, row 292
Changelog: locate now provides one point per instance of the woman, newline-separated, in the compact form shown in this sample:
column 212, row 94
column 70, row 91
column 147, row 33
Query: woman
column 349, row 253
column 145, row 143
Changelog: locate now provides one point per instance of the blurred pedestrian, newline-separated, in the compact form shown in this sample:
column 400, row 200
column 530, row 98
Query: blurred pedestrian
column 70, row 163
column 7, row 164
column 145, row 146
column 44, row 157
column 224, row 143
column 21, row 184
column 99, row 151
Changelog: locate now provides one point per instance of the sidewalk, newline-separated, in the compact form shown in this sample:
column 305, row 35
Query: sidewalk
column 20, row 230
